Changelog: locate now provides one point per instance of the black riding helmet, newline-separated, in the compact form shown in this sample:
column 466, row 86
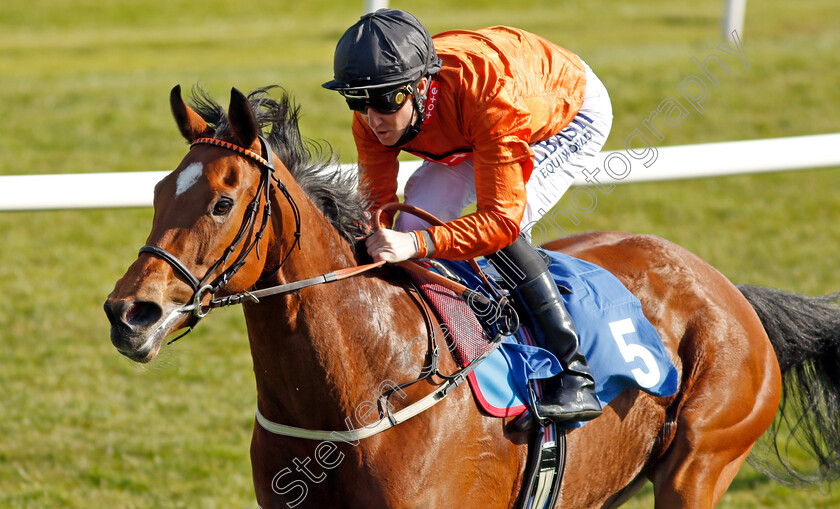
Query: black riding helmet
column 384, row 50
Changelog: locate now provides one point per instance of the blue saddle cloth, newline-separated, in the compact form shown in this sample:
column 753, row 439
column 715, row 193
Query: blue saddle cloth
column 622, row 347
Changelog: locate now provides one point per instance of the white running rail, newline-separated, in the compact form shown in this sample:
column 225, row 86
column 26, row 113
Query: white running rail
column 134, row 189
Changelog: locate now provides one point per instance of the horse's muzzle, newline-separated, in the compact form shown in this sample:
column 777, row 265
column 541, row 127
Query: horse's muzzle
column 132, row 323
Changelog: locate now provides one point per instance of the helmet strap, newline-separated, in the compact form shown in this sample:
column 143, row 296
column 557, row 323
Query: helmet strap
column 413, row 130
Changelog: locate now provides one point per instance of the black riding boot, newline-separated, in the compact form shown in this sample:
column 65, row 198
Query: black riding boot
column 569, row 396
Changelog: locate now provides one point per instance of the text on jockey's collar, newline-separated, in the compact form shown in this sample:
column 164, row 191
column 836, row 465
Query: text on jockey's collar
column 431, row 102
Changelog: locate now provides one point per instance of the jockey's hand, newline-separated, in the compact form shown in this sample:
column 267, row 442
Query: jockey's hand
column 390, row 246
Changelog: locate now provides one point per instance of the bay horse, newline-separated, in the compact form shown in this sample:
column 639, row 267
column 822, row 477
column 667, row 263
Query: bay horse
column 250, row 213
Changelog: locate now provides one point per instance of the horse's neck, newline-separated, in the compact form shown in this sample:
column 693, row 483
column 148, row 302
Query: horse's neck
column 321, row 351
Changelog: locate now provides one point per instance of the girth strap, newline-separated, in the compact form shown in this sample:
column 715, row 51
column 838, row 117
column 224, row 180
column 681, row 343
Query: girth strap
column 384, row 423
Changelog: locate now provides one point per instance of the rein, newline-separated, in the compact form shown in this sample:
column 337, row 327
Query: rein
column 340, row 274
column 202, row 287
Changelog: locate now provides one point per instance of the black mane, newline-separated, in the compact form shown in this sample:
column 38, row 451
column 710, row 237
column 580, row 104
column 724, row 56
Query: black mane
column 314, row 166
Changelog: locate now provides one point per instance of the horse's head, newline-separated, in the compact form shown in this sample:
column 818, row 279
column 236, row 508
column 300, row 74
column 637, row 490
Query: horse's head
column 209, row 216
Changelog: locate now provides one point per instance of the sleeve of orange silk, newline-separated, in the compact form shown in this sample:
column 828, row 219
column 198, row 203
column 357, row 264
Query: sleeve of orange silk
column 499, row 130
column 378, row 167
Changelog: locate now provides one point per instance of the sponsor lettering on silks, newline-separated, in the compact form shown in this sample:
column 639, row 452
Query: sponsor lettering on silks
column 559, row 148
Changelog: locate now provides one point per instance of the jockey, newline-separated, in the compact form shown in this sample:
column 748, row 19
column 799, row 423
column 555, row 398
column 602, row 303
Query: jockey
column 504, row 119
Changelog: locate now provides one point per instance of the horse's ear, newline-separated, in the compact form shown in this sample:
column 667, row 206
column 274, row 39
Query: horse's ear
column 191, row 125
column 243, row 122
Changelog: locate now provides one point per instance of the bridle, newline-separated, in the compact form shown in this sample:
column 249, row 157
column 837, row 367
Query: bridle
column 205, row 286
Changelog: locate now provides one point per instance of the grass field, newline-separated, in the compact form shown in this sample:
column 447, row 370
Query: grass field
column 84, row 86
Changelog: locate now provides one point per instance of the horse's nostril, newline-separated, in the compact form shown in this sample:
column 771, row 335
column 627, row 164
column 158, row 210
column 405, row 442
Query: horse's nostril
column 142, row 313
column 132, row 314
column 109, row 312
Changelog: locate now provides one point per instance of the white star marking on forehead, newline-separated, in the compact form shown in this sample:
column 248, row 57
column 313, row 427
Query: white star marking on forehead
column 188, row 177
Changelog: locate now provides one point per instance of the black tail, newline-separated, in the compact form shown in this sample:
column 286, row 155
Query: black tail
column 805, row 333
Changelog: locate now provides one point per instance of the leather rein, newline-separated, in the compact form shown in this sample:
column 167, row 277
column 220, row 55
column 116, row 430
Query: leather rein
column 203, row 287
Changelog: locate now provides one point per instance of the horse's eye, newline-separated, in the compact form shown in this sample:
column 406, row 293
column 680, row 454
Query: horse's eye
column 222, row 207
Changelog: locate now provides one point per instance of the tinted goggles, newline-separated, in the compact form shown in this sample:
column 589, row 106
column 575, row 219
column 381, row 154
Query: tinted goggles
column 385, row 102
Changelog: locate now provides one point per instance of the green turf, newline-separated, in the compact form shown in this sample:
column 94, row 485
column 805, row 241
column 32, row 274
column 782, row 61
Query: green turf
column 84, row 86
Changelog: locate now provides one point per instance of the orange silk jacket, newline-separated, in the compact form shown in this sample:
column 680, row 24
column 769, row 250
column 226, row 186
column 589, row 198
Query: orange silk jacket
column 500, row 89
